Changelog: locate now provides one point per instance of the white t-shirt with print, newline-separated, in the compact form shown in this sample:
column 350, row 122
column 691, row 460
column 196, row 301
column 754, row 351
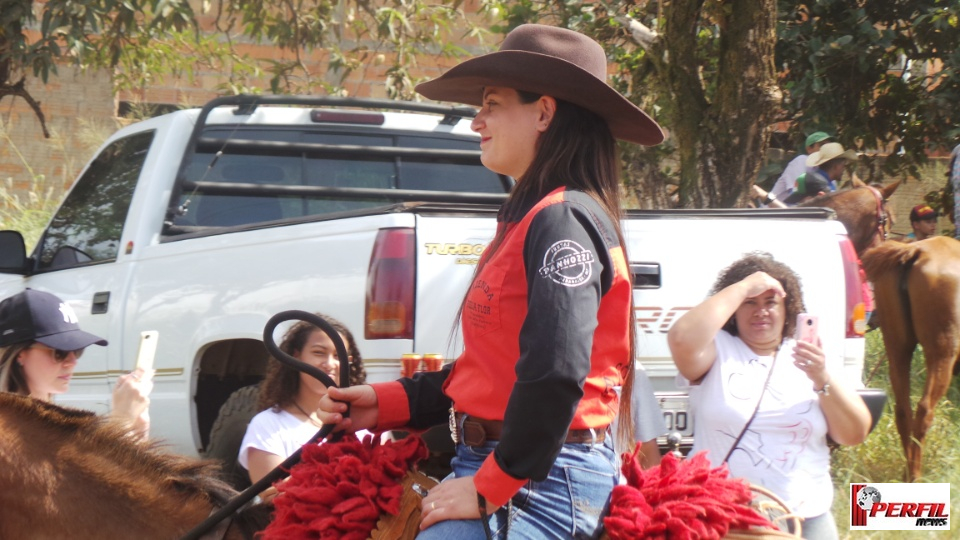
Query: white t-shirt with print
column 785, row 449
column 279, row 433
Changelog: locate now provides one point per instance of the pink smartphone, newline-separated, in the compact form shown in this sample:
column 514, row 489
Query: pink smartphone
column 807, row 328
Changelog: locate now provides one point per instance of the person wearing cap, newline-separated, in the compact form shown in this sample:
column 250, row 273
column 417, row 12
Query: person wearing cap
column 547, row 323
column 923, row 220
column 787, row 182
column 40, row 344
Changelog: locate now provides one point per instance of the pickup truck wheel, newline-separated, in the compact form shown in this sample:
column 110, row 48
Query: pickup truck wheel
column 227, row 433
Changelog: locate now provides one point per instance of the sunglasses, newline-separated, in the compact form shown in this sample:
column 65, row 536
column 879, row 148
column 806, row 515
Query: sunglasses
column 58, row 354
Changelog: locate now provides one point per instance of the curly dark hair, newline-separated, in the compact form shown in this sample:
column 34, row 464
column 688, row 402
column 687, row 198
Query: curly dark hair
column 760, row 261
column 281, row 384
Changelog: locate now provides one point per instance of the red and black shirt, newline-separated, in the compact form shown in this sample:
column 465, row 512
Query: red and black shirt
column 546, row 340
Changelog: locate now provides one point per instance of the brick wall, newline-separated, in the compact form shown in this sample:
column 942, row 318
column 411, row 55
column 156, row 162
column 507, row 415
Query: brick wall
column 76, row 106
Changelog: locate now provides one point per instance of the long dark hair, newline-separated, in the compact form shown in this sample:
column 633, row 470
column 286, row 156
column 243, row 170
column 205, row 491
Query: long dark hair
column 12, row 377
column 281, row 384
column 577, row 151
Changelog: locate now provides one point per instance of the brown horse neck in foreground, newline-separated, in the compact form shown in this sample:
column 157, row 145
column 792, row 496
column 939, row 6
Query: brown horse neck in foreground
column 864, row 215
column 66, row 473
column 917, row 287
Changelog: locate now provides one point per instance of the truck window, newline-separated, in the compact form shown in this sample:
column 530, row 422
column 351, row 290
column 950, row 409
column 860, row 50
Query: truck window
column 321, row 170
column 88, row 225
column 439, row 176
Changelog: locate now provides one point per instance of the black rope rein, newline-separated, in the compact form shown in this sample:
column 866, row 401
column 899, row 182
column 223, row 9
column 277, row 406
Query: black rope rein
column 283, row 470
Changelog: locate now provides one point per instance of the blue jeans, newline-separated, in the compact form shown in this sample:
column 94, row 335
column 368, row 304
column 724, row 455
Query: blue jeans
column 567, row 504
column 821, row 527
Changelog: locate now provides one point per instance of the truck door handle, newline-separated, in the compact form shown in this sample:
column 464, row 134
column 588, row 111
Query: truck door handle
column 101, row 302
column 645, row 275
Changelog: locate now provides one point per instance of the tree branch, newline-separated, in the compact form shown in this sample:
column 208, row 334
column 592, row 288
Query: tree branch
column 18, row 89
column 642, row 34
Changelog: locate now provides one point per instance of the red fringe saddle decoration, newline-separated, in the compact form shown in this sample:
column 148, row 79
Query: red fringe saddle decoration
column 339, row 490
column 680, row 499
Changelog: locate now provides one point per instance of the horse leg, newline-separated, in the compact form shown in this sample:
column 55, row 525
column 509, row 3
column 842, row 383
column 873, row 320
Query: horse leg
column 939, row 368
column 934, row 290
column 941, row 347
column 900, row 356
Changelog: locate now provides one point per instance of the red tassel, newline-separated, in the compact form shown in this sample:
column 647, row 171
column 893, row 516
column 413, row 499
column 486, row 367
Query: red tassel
column 338, row 490
column 679, row 499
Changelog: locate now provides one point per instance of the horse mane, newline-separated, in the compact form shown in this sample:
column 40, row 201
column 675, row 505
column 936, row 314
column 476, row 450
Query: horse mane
column 887, row 257
column 113, row 440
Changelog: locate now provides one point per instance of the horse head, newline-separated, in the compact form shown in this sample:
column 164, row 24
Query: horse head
column 52, row 459
column 863, row 212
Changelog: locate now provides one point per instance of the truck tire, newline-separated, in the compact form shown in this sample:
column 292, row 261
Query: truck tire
column 227, row 434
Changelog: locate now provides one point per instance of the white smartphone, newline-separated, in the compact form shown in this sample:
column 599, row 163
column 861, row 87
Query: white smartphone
column 147, row 350
column 807, row 326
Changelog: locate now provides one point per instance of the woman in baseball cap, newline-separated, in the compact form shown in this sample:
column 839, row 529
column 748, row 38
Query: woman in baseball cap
column 547, row 324
column 40, row 344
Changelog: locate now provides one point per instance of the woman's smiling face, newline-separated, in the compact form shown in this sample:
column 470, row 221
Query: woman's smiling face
column 319, row 351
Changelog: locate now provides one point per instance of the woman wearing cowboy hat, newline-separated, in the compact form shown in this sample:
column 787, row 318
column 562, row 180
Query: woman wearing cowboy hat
column 547, row 322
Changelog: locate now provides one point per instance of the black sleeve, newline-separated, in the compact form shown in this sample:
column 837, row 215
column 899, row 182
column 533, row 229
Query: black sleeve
column 568, row 269
column 428, row 404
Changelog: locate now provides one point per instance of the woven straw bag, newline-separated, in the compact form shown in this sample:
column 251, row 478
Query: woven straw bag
column 773, row 508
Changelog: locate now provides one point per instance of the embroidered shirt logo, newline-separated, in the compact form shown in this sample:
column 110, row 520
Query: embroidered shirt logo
column 567, row 263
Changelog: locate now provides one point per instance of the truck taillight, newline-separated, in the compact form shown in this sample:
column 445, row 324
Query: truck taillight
column 855, row 282
column 391, row 286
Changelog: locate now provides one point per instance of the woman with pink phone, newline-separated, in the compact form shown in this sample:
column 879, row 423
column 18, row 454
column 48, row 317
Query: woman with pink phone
column 807, row 325
column 760, row 390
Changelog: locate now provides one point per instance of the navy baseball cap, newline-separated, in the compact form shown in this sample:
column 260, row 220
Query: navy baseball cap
column 42, row 317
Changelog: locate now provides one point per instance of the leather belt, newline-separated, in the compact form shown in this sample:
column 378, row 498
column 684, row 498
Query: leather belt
column 473, row 431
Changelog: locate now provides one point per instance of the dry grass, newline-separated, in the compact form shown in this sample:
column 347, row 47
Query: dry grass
column 880, row 458
column 28, row 214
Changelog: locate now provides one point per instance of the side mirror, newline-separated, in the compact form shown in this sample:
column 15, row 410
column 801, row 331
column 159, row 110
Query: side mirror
column 13, row 253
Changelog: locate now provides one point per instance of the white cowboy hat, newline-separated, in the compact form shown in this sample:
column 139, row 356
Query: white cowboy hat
column 827, row 152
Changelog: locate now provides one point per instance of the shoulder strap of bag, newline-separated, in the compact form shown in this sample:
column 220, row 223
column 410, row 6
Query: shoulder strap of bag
column 755, row 409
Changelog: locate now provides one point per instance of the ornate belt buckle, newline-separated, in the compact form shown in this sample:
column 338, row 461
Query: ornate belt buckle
column 453, row 426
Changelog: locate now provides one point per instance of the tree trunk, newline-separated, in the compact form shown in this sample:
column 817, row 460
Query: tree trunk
column 746, row 99
column 720, row 116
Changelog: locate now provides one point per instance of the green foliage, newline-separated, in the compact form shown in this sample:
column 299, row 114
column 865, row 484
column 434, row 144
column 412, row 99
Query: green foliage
column 882, row 75
column 881, row 459
column 147, row 40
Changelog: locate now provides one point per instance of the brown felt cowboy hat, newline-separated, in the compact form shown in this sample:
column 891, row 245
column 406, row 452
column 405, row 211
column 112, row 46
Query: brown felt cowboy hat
column 550, row 61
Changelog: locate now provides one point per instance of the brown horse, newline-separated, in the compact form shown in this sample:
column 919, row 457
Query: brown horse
column 66, row 473
column 917, row 287
column 863, row 212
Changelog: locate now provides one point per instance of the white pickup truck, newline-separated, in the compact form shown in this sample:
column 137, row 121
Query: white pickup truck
column 203, row 223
